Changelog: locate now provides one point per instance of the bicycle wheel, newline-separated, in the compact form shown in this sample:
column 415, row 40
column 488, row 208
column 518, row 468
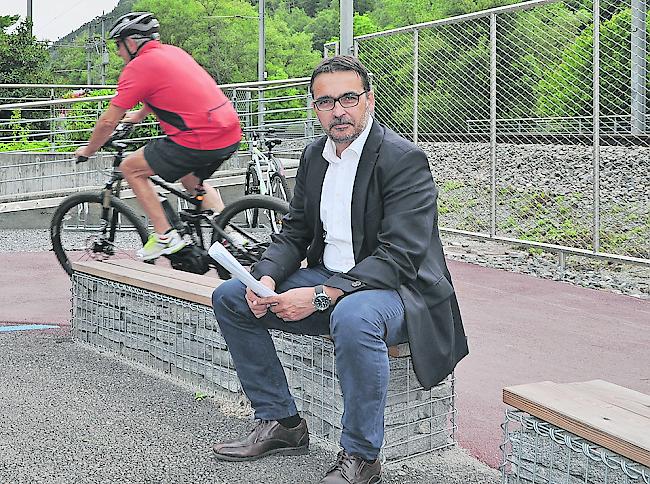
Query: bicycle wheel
column 76, row 230
column 252, row 187
column 280, row 187
column 257, row 239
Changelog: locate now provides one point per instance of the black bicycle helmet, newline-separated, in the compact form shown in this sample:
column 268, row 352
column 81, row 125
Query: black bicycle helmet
column 136, row 24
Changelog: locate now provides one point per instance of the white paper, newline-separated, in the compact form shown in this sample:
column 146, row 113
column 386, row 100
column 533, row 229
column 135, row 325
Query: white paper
column 219, row 253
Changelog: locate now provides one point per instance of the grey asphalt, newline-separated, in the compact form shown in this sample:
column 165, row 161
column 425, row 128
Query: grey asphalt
column 72, row 414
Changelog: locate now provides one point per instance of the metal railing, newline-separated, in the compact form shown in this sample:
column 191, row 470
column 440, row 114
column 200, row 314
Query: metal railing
column 535, row 120
column 37, row 142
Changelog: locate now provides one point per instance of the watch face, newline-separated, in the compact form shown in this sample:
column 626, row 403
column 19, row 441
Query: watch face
column 321, row 302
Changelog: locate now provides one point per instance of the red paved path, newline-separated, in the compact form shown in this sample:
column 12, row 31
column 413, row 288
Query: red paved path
column 521, row 329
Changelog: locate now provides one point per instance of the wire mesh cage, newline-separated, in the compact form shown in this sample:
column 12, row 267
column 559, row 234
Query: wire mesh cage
column 182, row 339
column 535, row 451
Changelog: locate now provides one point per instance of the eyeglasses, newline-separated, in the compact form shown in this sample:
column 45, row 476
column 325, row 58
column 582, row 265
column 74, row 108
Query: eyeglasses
column 117, row 43
column 347, row 100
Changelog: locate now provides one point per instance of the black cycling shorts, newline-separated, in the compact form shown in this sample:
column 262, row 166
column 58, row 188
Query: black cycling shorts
column 172, row 161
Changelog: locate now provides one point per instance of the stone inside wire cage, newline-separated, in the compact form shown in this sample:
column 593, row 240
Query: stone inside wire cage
column 182, row 339
column 535, row 451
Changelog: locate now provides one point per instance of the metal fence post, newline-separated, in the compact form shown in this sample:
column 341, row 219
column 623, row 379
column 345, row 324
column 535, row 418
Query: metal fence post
column 639, row 62
column 248, row 99
column 596, row 131
column 52, row 122
column 493, row 124
column 416, row 52
column 309, row 125
column 260, row 107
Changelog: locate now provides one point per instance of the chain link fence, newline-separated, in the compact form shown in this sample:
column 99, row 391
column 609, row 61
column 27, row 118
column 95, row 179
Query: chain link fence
column 534, row 117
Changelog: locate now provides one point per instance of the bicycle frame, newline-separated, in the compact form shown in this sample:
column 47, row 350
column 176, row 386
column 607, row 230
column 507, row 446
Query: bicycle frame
column 270, row 162
column 192, row 216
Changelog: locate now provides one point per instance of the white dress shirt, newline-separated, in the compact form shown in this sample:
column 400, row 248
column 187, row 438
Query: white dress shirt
column 336, row 202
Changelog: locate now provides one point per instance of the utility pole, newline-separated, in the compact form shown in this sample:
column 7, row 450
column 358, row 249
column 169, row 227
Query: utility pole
column 346, row 30
column 104, row 50
column 639, row 66
column 29, row 16
column 261, row 61
column 89, row 49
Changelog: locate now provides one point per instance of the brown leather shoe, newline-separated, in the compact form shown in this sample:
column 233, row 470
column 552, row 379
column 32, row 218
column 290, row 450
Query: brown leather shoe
column 268, row 437
column 351, row 469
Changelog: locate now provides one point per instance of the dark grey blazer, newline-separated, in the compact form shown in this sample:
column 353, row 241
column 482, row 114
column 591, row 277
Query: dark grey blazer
column 396, row 244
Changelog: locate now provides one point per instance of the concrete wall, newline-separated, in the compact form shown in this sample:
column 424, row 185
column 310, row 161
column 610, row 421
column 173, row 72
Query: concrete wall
column 25, row 173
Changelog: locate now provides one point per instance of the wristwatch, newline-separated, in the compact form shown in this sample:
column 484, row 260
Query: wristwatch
column 321, row 300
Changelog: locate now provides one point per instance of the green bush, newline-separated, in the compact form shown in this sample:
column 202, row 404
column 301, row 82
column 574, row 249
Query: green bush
column 567, row 90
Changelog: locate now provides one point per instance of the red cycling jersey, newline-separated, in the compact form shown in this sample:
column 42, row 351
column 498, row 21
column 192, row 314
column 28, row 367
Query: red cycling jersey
column 191, row 108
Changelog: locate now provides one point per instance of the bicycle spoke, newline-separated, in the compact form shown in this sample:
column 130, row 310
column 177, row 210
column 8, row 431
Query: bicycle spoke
column 80, row 233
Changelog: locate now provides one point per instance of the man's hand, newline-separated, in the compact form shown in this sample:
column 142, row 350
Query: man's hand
column 83, row 151
column 133, row 117
column 292, row 305
column 257, row 307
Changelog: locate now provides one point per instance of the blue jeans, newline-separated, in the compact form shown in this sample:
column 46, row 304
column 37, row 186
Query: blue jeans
column 362, row 326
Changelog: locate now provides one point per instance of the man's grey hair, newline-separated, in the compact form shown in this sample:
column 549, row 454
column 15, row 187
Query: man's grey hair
column 341, row 63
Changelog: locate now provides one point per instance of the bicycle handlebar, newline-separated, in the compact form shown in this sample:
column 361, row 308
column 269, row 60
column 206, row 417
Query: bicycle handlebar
column 257, row 132
column 121, row 131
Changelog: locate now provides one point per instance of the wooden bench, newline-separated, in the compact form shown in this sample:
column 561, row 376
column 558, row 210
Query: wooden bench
column 588, row 432
column 163, row 318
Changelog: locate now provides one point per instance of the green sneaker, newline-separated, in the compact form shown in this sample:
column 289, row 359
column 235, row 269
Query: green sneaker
column 158, row 245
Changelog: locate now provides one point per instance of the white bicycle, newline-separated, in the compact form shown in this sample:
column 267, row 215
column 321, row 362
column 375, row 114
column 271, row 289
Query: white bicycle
column 265, row 175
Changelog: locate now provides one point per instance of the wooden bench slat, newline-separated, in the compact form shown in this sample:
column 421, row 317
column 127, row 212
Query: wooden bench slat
column 164, row 285
column 581, row 413
column 635, row 402
column 200, row 279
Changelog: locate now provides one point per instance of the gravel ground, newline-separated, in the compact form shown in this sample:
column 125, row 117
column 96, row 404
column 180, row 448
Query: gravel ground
column 71, row 413
column 629, row 279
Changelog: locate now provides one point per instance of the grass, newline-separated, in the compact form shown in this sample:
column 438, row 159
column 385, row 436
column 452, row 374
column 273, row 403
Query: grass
column 545, row 217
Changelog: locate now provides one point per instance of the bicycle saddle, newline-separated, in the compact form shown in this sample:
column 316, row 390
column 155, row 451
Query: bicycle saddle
column 270, row 143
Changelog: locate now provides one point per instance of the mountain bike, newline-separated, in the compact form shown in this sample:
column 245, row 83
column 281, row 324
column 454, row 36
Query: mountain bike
column 265, row 173
column 98, row 225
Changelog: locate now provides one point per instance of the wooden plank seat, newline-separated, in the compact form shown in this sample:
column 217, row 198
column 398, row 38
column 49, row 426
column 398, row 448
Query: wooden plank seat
column 164, row 280
column 162, row 318
column 595, row 417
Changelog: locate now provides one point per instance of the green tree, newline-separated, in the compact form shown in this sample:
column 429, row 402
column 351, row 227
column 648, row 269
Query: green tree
column 69, row 61
column 22, row 58
column 397, row 13
column 530, row 44
column 221, row 35
column 324, row 27
column 567, row 90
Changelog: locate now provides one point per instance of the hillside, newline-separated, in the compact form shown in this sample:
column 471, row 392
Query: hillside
column 121, row 8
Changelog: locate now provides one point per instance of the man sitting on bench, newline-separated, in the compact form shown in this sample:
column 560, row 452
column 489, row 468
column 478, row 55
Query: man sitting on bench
column 364, row 215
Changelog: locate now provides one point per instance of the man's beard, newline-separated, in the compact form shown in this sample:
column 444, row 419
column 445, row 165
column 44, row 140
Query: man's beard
column 358, row 129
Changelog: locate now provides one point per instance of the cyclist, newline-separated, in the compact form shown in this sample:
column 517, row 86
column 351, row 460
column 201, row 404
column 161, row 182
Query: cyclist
column 201, row 124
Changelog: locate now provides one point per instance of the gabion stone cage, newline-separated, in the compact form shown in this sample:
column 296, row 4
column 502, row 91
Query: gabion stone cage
column 182, row 339
column 535, row 451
